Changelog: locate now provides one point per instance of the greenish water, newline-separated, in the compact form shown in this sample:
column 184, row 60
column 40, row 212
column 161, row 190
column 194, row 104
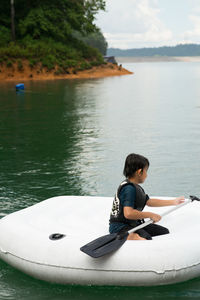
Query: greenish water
column 71, row 138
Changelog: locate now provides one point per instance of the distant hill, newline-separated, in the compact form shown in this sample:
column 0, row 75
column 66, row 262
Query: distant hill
column 179, row 50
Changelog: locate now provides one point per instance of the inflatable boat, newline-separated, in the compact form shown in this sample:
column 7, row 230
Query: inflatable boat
column 44, row 241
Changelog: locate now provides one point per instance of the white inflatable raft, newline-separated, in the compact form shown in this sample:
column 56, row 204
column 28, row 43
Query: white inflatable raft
column 44, row 241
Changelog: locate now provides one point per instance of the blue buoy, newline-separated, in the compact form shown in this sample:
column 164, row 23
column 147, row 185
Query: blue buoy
column 19, row 87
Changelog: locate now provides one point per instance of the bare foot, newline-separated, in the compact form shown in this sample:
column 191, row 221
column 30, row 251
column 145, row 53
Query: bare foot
column 135, row 236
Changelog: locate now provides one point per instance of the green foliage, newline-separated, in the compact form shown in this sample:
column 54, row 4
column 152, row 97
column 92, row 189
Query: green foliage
column 97, row 63
column 5, row 35
column 13, row 50
column 32, row 62
column 9, row 64
column 85, row 66
column 91, row 9
column 59, row 71
column 95, row 40
column 48, row 62
column 70, row 63
column 20, row 65
column 40, row 22
column 44, row 33
column 52, row 19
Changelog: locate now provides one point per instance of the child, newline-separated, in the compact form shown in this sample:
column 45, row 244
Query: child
column 130, row 200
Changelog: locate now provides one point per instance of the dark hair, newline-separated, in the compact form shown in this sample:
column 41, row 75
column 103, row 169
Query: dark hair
column 133, row 163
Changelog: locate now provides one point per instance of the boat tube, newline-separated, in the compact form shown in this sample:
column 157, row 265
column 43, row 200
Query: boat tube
column 44, row 241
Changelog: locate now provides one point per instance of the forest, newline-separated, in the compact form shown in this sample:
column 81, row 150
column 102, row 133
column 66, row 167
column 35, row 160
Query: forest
column 58, row 33
column 178, row 50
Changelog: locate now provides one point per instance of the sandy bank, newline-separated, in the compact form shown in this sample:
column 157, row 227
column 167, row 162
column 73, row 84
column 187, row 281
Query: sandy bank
column 140, row 59
column 27, row 73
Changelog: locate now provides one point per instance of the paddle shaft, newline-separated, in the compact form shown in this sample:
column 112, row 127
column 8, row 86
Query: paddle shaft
column 162, row 215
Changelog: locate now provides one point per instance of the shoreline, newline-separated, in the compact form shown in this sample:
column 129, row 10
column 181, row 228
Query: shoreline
column 13, row 74
column 139, row 59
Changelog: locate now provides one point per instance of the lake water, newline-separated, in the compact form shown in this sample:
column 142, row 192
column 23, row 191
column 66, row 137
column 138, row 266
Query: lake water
column 71, row 138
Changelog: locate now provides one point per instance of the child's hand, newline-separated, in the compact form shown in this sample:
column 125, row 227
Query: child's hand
column 154, row 217
column 179, row 200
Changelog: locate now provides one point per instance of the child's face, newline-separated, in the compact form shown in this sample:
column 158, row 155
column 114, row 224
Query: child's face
column 142, row 175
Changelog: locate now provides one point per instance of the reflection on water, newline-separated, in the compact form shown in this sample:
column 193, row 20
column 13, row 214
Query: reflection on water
column 71, row 138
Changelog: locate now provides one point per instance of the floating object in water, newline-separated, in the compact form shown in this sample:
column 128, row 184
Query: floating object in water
column 44, row 241
column 19, row 86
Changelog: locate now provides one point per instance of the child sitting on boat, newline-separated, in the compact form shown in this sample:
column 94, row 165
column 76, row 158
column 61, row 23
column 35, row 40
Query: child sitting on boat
column 130, row 200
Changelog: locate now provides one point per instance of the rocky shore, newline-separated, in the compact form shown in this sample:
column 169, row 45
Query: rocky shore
column 9, row 73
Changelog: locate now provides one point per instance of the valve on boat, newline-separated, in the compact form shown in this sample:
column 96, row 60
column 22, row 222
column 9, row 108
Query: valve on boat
column 56, row 236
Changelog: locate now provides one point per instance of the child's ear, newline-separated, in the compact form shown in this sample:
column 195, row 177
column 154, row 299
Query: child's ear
column 139, row 171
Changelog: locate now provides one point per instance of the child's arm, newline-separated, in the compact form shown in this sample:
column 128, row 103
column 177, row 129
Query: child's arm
column 159, row 202
column 134, row 214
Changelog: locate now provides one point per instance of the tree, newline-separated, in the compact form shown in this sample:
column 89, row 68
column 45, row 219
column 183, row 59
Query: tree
column 12, row 19
column 47, row 18
column 91, row 8
column 94, row 39
column 43, row 31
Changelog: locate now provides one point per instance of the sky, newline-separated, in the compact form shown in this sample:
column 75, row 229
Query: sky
column 130, row 24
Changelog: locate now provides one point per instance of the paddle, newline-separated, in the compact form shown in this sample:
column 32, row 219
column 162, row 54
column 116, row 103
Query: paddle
column 111, row 242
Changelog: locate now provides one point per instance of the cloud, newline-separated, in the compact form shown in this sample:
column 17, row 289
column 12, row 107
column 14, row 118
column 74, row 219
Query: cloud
column 150, row 38
column 134, row 24
column 193, row 34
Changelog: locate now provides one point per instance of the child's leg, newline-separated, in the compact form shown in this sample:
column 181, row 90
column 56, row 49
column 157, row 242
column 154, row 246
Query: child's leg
column 147, row 232
column 135, row 236
column 155, row 229
column 144, row 234
column 139, row 235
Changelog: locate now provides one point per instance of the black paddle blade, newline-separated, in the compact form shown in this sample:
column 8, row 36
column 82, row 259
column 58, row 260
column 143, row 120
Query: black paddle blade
column 104, row 244
column 194, row 198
